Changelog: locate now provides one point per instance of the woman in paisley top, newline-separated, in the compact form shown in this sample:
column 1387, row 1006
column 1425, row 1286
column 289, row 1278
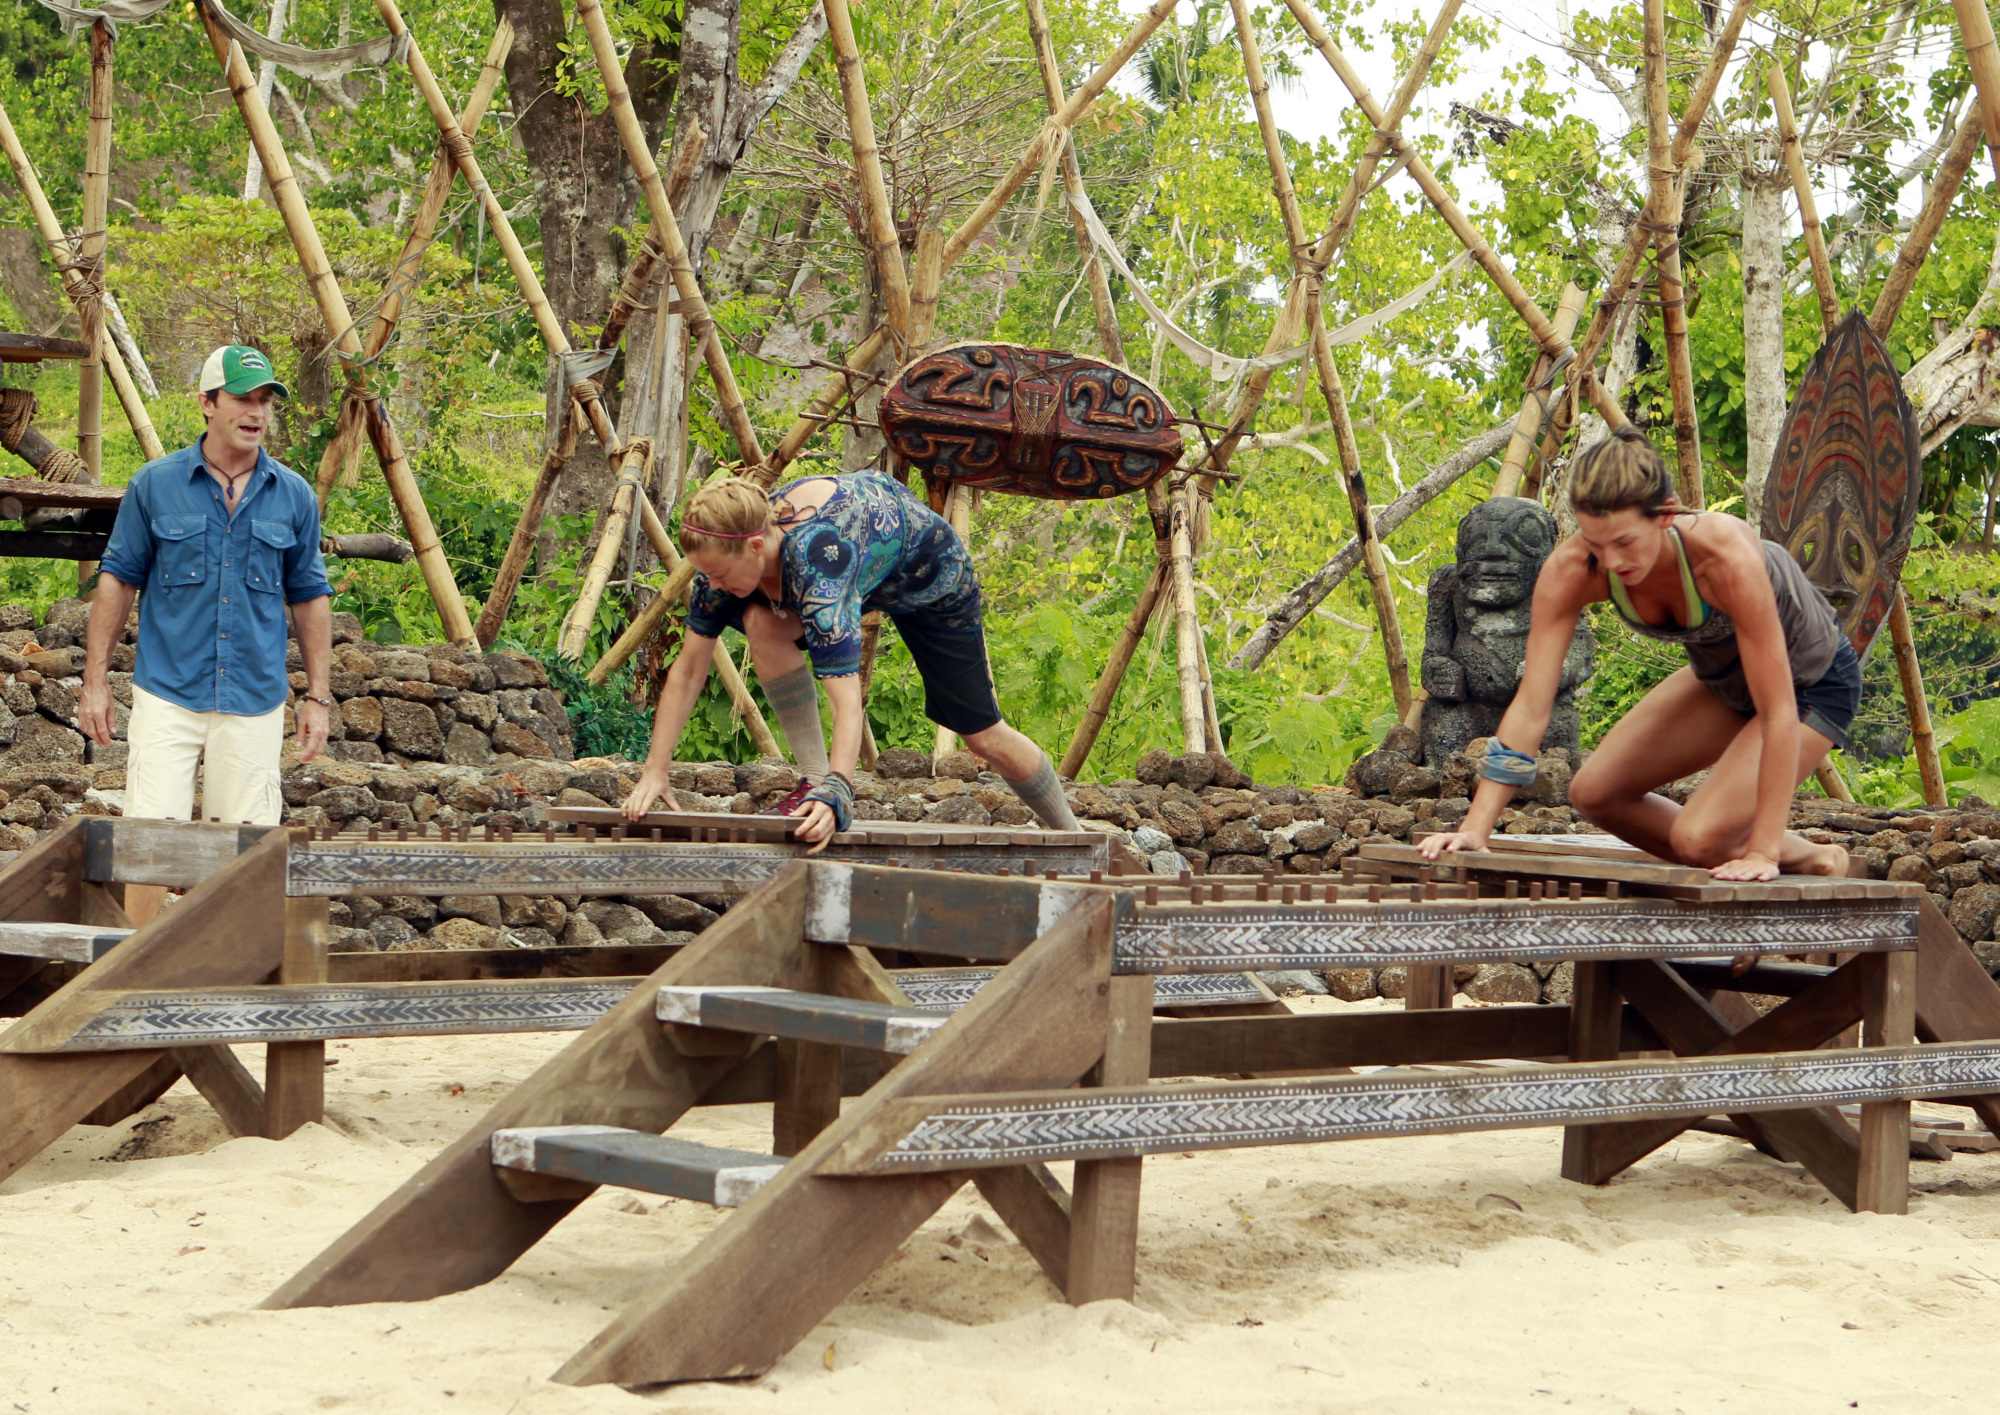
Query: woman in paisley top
column 794, row 572
column 1771, row 683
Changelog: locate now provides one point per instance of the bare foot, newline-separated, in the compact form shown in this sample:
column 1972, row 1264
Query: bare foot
column 1825, row 860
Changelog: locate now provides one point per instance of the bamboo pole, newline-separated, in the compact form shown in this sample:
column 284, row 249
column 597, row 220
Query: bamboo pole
column 885, row 250
column 1910, row 674
column 1058, row 125
column 512, row 565
column 73, row 285
column 840, row 386
column 408, row 269
column 611, row 530
column 1110, row 338
column 90, row 255
column 1187, row 631
column 1291, row 317
column 1638, row 238
column 1535, row 403
column 1379, row 584
column 1664, row 211
column 1975, row 26
column 726, row 671
column 631, row 294
column 339, row 323
column 693, row 307
column 1503, row 279
column 1795, row 163
column 1130, row 636
column 1917, row 245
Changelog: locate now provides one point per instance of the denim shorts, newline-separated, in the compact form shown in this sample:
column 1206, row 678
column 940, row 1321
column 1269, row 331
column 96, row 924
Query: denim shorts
column 1828, row 706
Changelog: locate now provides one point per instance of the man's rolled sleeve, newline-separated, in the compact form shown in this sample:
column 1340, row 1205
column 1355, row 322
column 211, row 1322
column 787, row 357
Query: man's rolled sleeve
column 305, row 567
column 128, row 555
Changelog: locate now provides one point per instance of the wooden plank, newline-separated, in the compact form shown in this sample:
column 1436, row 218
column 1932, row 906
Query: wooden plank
column 1596, row 1015
column 1956, row 1000
column 58, row 942
column 453, row 1225
column 1888, row 1019
column 33, row 348
column 121, row 1020
column 809, row 1068
column 438, row 965
column 43, row 884
column 295, row 1072
column 1235, row 936
column 1104, row 1209
column 653, row 1164
column 530, row 865
column 138, row 1093
column 744, row 1296
column 1770, row 977
column 227, row 1085
column 799, row 1016
column 1428, row 986
column 180, row 854
column 946, row 989
column 52, row 545
column 1818, row 1139
column 227, row 929
column 1683, row 880
column 946, row 1133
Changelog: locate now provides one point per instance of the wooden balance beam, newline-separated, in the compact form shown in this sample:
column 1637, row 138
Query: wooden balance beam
column 1073, row 1004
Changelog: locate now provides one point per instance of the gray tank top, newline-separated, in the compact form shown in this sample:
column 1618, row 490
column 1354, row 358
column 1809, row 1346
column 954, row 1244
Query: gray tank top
column 1812, row 634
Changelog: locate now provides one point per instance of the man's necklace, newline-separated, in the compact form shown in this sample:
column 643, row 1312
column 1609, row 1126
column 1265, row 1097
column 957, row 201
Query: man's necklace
column 228, row 478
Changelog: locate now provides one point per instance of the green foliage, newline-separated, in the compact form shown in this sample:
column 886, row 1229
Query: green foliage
column 1968, row 749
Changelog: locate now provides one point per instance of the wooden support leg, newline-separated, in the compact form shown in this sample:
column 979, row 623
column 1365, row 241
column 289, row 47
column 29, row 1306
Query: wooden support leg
column 1889, row 1019
column 295, row 1072
column 145, row 1088
column 1956, row 1001
column 808, row 1098
column 1427, row 985
column 229, row 1088
column 1104, row 1211
column 1596, row 1017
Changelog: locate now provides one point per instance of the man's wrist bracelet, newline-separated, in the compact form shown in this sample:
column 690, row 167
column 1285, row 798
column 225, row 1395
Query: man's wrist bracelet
column 326, row 703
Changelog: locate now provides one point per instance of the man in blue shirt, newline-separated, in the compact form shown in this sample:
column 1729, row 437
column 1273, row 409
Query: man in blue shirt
column 221, row 538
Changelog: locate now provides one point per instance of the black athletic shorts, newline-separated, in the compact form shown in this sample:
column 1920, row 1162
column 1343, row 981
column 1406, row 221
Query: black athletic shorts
column 950, row 653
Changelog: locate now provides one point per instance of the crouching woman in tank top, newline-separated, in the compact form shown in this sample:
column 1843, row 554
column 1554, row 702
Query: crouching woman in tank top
column 1771, row 683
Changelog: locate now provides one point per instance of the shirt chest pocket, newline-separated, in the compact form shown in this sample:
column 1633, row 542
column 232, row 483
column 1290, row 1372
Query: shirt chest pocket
column 181, row 549
column 264, row 567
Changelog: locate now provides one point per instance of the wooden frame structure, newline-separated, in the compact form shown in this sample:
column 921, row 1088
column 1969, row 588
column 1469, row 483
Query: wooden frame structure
column 992, row 1093
column 244, row 957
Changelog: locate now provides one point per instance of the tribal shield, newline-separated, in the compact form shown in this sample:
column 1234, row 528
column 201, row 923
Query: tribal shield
column 1033, row 422
column 1845, row 480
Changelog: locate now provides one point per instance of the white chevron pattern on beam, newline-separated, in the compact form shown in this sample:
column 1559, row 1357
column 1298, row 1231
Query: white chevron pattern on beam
column 1354, row 934
column 980, row 1131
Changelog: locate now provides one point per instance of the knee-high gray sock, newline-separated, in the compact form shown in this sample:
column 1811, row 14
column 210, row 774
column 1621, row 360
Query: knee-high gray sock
column 795, row 698
column 1043, row 795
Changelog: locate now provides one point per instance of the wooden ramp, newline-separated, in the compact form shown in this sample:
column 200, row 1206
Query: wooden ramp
column 1052, row 1056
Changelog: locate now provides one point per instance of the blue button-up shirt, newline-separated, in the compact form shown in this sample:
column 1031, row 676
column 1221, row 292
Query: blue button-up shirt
column 215, row 586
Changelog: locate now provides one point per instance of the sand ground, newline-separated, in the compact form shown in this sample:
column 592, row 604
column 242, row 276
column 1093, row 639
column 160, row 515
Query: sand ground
column 1450, row 1274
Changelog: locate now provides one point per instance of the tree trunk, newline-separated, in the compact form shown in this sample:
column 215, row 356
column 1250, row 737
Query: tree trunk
column 1763, row 330
column 584, row 197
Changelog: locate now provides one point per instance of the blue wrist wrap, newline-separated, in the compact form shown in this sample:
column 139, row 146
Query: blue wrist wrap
column 1506, row 765
column 835, row 792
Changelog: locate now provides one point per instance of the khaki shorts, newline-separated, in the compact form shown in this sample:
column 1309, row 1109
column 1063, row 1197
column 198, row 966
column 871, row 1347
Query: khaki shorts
column 239, row 782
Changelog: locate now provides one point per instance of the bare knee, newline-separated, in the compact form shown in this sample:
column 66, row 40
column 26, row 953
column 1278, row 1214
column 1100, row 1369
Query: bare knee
column 1704, row 840
column 1593, row 794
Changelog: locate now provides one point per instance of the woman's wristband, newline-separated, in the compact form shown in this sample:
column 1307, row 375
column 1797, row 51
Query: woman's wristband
column 1507, row 766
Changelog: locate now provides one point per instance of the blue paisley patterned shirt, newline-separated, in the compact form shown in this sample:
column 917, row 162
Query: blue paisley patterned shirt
column 871, row 546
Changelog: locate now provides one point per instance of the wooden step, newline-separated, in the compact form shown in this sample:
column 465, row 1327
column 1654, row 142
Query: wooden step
column 800, row 1017
column 61, row 943
column 948, row 989
column 923, row 1134
column 632, row 1159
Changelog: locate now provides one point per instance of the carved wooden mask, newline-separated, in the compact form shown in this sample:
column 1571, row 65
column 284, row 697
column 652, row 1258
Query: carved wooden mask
column 1033, row 422
column 1846, row 477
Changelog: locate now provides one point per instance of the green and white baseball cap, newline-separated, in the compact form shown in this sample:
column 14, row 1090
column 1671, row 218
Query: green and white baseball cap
column 239, row 369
